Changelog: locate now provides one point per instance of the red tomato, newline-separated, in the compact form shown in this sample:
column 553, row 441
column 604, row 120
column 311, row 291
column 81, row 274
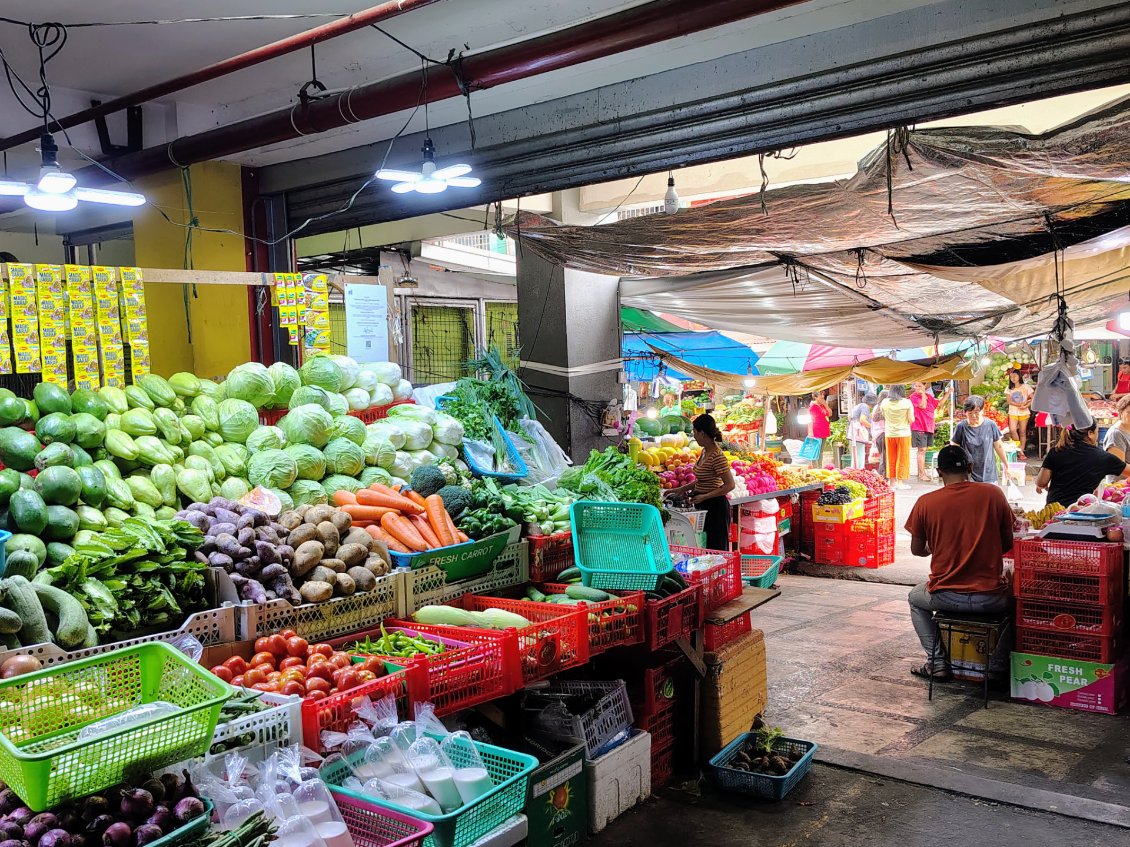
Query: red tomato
column 316, row 658
column 316, row 695
column 294, row 688
column 237, row 681
column 276, row 646
column 263, row 686
column 288, row 633
column 346, row 679
column 261, row 645
column 291, row 662
column 365, row 676
column 295, row 674
column 273, row 675
column 223, row 673
column 255, row 676
column 316, row 683
column 236, row 664
column 296, row 646
column 262, row 659
column 320, row 670
column 374, row 665
column 324, row 649
column 341, row 660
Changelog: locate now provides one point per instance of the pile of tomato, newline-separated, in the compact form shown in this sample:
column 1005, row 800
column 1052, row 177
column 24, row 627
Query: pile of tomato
column 287, row 664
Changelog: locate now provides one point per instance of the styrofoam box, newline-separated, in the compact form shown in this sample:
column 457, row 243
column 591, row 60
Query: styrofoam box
column 618, row 780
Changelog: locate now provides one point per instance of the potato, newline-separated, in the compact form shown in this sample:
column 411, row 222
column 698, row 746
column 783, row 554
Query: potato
column 352, row 554
column 302, row 510
column 335, row 565
column 376, row 566
column 357, row 535
column 380, row 549
column 322, row 574
column 317, row 514
column 341, row 520
column 345, row 585
column 329, row 536
column 306, row 557
column 291, row 520
column 300, row 536
column 365, row 580
column 316, row 592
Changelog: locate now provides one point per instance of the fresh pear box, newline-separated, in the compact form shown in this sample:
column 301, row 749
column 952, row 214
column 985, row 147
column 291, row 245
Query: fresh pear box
column 1069, row 683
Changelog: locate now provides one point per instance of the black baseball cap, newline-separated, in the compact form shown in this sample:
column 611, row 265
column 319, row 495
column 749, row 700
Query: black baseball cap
column 953, row 459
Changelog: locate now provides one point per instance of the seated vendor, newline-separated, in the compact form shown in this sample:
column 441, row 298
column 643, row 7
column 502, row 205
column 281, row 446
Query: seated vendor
column 965, row 528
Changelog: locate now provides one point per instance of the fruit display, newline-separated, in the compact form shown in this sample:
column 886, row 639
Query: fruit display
column 1117, row 492
column 839, row 496
column 873, row 483
column 1039, row 518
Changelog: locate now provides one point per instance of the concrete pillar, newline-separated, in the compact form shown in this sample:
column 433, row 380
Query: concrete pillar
column 568, row 320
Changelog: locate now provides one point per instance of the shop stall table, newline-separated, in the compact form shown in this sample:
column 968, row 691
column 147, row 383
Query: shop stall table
column 786, row 493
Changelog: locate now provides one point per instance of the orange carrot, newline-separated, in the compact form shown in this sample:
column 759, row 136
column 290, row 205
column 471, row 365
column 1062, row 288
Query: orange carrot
column 462, row 536
column 379, row 534
column 362, row 524
column 452, row 530
column 402, row 530
column 416, row 498
column 345, row 498
column 438, row 518
column 368, row 497
column 425, row 529
column 366, row 513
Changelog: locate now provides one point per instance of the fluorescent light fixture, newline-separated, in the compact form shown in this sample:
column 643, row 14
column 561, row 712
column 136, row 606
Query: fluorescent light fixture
column 429, row 180
column 1124, row 320
column 112, row 198
column 58, row 191
column 54, row 181
column 48, row 202
column 652, row 413
column 10, row 188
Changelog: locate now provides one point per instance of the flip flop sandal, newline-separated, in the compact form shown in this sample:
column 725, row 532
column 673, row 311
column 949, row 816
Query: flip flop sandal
column 924, row 672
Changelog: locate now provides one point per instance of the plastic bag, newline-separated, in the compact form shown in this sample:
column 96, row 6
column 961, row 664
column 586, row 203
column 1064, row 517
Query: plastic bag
column 542, row 455
column 480, row 453
column 1013, row 493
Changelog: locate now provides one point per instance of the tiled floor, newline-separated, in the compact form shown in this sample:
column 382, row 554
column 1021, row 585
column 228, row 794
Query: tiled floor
column 839, row 657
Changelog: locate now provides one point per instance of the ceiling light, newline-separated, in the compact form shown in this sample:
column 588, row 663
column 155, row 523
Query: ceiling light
column 407, row 281
column 58, row 191
column 429, row 180
column 749, row 381
column 1124, row 320
column 671, row 198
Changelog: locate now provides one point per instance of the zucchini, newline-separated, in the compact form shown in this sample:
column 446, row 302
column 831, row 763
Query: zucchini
column 73, row 622
column 534, row 595
column 580, row 592
column 569, row 574
column 10, row 622
column 21, row 598
column 676, row 578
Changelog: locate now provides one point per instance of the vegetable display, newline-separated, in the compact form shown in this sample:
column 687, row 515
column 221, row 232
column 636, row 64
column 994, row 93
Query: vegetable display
column 490, row 618
column 629, row 482
column 759, row 754
column 404, row 523
column 397, row 643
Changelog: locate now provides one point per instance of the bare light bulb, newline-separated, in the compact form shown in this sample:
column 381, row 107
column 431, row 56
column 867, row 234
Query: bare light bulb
column 671, row 198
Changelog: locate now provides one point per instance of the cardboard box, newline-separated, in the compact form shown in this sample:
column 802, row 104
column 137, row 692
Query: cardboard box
column 734, row 691
column 1069, row 683
column 558, row 806
column 837, row 514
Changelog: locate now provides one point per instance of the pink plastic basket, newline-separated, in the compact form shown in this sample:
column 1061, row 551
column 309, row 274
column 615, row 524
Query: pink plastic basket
column 371, row 825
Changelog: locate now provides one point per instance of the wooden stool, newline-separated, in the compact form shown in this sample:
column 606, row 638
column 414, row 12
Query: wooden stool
column 991, row 627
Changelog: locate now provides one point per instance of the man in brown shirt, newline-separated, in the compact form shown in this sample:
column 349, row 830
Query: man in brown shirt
column 966, row 528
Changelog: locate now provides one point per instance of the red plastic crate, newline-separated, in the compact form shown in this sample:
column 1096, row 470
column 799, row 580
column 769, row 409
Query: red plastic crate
column 336, row 713
column 720, row 584
column 1095, row 590
column 656, row 689
column 270, row 417
column 672, row 617
column 662, row 766
column 718, row 634
column 550, row 555
column 1067, row 645
column 458, row 678
column 880, row 507
column 612, row 623
column 807, row 525
column 1072, row 571
column 376, row 413
column 1058, row 616
column 661, row 726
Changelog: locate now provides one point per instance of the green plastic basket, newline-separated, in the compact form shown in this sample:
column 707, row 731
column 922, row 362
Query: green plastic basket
column 510, row 773
column 190, row 831
column 42, row 713
column 619, row 545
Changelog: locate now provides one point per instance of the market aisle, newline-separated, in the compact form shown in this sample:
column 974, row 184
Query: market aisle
column 839, row 659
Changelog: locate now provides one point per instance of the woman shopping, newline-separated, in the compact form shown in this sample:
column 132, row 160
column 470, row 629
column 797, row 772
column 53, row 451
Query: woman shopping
column 713, row 481
column 879, row 432
column 819, row 422
column 1019, row 408
column 898, row 412
column 859, row 431
column 1117, row 439
column 1076, row 466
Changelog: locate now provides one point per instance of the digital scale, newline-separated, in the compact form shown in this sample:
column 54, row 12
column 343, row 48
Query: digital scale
column 1080, row 527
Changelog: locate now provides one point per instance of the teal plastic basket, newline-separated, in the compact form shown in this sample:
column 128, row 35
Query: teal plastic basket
column 761, row 571
column 765, row 786
column 509, row 771
column 619, row 545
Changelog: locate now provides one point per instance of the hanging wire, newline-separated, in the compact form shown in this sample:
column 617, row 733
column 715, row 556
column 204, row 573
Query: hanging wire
column 860, row 271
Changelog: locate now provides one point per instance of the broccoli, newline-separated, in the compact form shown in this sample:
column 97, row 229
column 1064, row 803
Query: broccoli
column 456, row 499
column 427, row 480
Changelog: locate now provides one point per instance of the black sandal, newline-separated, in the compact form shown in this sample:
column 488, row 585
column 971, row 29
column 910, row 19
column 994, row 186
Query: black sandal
column 924, row 672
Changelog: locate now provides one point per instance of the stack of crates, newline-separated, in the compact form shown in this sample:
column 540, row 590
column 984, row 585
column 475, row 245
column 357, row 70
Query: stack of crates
column 867, row 541
column 1069, row 599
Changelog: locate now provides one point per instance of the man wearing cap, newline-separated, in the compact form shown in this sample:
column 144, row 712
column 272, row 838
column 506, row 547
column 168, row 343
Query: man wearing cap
column 965, row 528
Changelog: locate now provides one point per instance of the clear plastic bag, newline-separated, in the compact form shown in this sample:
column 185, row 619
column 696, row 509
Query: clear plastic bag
column 480, row 452
column 543, row 456
column 129, row 718
column 436, row 772
column 472, row 780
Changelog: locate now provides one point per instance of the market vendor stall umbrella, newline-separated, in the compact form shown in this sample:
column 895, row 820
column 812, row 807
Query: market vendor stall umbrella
column 789, row 357
column 711, row 350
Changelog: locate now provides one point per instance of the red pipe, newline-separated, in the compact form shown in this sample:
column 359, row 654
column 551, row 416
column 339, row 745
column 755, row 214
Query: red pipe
column 640, row 26
column 356, row 21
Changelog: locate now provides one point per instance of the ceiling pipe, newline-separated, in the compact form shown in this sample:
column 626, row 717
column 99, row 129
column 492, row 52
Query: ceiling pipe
column 342, row 26
column 633, row 28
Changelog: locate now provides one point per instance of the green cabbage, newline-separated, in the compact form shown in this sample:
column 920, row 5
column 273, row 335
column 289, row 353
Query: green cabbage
column 401, row 465
column 417, row 434
column 323, row 372
column 266, row 438
column 387, row 373
column 339, row 482
column 285, row 503
column 237, row 419
column 250, row 382
column 357, row 398
column 272, row 469
column 411, row 412
column 389, row 431
column 309, row 424
column 371, row 475
column 310, row 461
column 306, row 394
column 336, row 404
column 234, row 487
column 344, row 457
column 349, row 371
column 306, row 492
column 286, row 381
column 447, row 430
column 378, row 451
column 347, row 426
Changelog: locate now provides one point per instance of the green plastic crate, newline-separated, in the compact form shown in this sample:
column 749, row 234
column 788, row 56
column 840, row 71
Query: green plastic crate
column 509, row 771
column 42, row 713
column 190, row 831
column 619, row 545
column 458, row 561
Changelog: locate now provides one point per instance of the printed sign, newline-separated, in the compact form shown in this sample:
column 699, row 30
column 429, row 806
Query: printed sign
column 83, row 328
column 52, row 323
column 109, row 324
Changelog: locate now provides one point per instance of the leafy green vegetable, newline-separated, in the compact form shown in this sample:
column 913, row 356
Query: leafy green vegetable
column 629, row 482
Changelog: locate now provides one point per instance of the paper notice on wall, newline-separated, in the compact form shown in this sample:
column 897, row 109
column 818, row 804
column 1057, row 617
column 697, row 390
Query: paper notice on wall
column 136, row 320
column 316, row 338
column 109, row 324
column 52, row 323
column 366, row 322
column 5, row 340
column 25, row 317
column 83, row 328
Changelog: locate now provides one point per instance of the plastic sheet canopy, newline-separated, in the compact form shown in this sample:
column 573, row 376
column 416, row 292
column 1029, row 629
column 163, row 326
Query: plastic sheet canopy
column 841, row 263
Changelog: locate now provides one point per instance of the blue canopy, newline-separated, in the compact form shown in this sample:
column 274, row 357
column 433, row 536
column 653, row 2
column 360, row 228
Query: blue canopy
column 708, row 349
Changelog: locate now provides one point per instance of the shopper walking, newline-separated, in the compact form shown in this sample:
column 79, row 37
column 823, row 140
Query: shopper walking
column 1019, row 409
column 819, row 422
column 898, row 412
column 713, row 481
column 1117, row 439
column 879, row 431
column 859, row 431
column 981, row 439
column 1076, row 466
column 922, row 427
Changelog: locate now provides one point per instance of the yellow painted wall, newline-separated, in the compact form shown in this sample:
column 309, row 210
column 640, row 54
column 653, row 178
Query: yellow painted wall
column 210, row 334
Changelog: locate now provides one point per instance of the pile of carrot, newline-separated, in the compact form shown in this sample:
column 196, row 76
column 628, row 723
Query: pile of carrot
column 406, row 522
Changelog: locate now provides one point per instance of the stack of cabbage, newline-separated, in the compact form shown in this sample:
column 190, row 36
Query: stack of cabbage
column 337, row 383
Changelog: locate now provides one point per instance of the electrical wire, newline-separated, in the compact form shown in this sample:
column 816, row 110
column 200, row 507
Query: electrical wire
column 165, row 21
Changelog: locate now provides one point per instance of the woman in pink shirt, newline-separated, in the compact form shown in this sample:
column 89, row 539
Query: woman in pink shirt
column 819, row 420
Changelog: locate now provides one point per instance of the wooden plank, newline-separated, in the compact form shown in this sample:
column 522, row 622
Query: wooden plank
column 751, row 598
